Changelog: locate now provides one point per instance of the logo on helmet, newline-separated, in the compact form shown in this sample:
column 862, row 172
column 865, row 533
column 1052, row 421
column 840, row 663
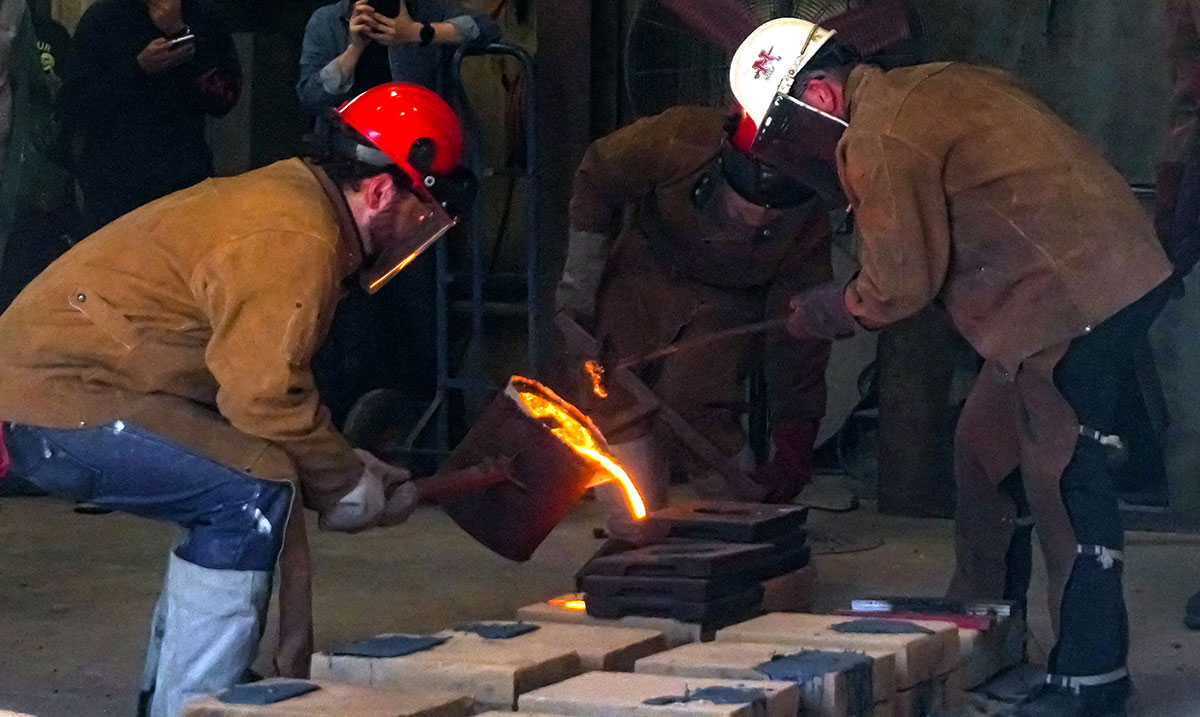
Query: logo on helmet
column 764, row 66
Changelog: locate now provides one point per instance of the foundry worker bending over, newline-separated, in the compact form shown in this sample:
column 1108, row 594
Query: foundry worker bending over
column 968, row 191
column 168, row 377
column 714, row 240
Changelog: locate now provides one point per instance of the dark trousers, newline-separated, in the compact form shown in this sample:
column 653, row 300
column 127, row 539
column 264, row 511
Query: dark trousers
column 1093, row 624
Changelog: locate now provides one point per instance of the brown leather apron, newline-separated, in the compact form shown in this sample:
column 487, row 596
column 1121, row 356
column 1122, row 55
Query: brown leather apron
column 1008, row 422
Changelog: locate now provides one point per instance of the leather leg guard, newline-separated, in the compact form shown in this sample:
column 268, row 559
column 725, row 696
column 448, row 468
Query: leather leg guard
column 1093, row 624
column 212, row 624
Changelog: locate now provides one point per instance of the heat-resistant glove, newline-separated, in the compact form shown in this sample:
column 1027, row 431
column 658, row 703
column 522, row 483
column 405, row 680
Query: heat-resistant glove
column 587, row 253
column 790, row 468
column 821, row 313
column 366, row 505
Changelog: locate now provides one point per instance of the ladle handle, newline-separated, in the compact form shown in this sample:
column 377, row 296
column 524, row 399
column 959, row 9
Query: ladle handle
column 451, row 485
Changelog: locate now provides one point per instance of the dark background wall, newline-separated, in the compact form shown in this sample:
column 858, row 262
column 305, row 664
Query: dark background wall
column 1099, row 63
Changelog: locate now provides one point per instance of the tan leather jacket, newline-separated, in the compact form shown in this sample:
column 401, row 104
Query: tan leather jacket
column 970, row 191
column 218, row 294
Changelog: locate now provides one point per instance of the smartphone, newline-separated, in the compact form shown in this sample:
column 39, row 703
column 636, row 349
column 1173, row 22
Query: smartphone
column 387, row 8
column 177, row 41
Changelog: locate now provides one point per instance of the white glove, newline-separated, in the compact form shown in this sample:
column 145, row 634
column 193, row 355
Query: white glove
column 364, row 505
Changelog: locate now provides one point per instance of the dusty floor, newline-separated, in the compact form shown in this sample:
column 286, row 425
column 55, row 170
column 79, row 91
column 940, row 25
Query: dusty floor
column 76, row 594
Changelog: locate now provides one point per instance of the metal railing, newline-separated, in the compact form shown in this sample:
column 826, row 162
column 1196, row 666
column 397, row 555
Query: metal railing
column 473, row 384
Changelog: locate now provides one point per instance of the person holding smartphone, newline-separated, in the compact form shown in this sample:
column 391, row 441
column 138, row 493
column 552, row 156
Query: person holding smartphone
column 353, row 45
column 134, row 104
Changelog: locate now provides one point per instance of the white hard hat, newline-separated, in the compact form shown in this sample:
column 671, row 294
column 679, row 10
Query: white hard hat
column 767, row 62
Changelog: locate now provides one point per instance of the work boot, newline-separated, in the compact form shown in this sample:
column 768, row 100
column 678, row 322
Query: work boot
column 647, row 468
column 1191, row 613
column 211, row 623
column 1052, row 701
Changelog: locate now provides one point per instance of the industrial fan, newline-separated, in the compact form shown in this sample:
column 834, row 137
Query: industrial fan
column 678, row 51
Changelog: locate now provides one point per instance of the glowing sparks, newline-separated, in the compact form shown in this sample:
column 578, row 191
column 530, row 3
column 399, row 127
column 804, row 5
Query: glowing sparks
column 542, row 403
column 596, row 371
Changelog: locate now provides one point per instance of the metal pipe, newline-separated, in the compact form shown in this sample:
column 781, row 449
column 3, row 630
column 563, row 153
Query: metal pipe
column 701, row 340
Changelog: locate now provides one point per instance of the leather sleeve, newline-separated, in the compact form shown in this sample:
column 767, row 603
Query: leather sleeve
column 620, row 168
column 900, row 210
column 269, row 298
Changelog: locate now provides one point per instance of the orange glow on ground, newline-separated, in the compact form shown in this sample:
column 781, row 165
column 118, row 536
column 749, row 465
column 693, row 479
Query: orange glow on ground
column 569, row 604
column 581, row 438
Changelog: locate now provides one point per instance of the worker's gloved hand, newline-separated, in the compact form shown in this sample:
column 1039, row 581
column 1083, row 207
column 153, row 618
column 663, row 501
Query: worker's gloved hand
column 363, row 507
column 587, row 252
column 400, row 493
column 821, row 313
column 790, row 468
column 402, row 500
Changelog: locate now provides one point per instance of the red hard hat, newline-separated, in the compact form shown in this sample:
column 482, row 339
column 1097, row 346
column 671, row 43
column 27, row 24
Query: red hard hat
column 410, row 124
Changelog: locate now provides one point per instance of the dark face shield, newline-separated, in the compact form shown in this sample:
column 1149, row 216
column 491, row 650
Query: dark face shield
column 801, row 141
column 759, row 183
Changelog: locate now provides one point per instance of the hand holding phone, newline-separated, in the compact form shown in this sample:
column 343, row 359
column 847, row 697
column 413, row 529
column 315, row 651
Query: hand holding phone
column 163, row 54
column 176, row 41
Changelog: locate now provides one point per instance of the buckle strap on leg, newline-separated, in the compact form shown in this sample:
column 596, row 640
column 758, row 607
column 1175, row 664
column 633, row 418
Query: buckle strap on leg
column 1103, row 439
column 1076, row 683
column 1106, row 556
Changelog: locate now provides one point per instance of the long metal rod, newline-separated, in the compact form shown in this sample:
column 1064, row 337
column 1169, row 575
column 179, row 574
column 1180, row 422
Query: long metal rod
column 701, row 340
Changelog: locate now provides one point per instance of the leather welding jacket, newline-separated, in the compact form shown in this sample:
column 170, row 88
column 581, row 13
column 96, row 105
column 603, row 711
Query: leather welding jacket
column 968, row 191
column 218, row 294
column 674, row 271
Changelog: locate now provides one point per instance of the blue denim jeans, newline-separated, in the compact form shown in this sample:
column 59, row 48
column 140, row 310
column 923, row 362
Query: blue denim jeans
column 233, row 520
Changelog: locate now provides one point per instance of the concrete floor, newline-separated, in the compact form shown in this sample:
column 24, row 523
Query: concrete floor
column 76, row 594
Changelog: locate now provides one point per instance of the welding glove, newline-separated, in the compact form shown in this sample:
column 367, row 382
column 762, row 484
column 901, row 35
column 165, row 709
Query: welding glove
column 587, row 253
column 790, row 466
column 821, row 313
column 364, row 506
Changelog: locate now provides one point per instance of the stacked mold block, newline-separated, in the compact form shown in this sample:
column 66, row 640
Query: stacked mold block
column 785, row 664
column 886, row 658
column 921, row 656
column 493, row 661
column 320, row 698
column 991, row 634
column 710, row 563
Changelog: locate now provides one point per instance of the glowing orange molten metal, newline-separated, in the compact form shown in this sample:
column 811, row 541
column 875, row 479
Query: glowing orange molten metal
column 543, row 403
column 596, row 371
column 569, row 604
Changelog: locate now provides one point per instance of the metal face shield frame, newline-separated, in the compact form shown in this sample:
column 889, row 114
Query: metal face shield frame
column 426, row 222
column 801, row 141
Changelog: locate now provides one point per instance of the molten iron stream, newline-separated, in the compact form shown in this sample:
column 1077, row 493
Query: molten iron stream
column 580, row 439
column 596, row 371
